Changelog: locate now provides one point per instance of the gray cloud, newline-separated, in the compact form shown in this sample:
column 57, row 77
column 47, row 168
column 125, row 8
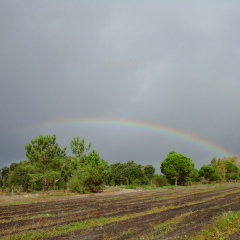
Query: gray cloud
column 169, row 63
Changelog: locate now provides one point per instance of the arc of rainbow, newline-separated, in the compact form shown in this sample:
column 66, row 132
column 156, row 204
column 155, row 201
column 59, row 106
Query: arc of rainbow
column 139, row 124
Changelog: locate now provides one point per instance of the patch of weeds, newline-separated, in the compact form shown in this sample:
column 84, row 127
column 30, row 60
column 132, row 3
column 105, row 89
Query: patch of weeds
column 131, row 187
column 149, row 187
column 125, row 233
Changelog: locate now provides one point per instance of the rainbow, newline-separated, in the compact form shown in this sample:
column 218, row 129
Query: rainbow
column 138, row 124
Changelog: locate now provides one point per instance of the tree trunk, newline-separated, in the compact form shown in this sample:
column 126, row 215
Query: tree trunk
column 176, row 180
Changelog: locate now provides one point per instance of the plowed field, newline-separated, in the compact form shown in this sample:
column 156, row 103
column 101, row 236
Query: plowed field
column 127, row 214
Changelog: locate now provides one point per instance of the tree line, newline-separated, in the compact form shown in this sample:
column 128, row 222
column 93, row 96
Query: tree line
column 179, row 169
column 49, row 168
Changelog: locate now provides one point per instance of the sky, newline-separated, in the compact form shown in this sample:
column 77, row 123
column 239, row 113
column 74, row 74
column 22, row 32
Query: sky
column 136, row 78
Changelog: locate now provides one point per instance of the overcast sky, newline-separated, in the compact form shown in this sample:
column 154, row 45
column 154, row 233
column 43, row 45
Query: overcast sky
column 170, row 63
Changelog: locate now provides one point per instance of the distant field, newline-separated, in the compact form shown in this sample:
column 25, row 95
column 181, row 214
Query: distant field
column 199, row 212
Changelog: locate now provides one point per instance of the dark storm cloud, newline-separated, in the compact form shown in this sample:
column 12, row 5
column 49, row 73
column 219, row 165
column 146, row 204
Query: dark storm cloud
column 167, row 62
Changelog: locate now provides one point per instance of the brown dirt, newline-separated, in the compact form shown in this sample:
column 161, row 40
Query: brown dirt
column 202, row 203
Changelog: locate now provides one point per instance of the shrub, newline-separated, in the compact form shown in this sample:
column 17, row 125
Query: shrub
column 160, row 180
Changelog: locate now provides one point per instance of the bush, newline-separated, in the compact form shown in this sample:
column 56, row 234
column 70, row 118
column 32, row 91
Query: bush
column 145, row 180
column 75, row 185
column 160, row 180
column 137, row 182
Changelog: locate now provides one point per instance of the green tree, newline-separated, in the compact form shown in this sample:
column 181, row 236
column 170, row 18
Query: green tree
column 78, row 147
column 50, row 178
column 219, row 167
column 232, row 171
column 36, row 180
column 130, row 173
column 193, row 176
column 13, row 166
column 177, row 167
column 4, row 175
column 68, row 166
column 46, row 156
column 233, row 160
column 117, row 176
column 91, row 175
column 208, row 173
column 21, row 175
column 45, row 153
column 149, row 171
column 133, row 172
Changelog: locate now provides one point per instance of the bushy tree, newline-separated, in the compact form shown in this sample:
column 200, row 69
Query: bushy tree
column 127, row 173
column 21, row 175
column 232, row 171
column 192, row 177
column 219, row 167
column 91, row 174
column 159, row 180
column 177, row 167
column 149, row 171
column 208, row 173
column 133, row 172
column 117, row 176
column 45, row 153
